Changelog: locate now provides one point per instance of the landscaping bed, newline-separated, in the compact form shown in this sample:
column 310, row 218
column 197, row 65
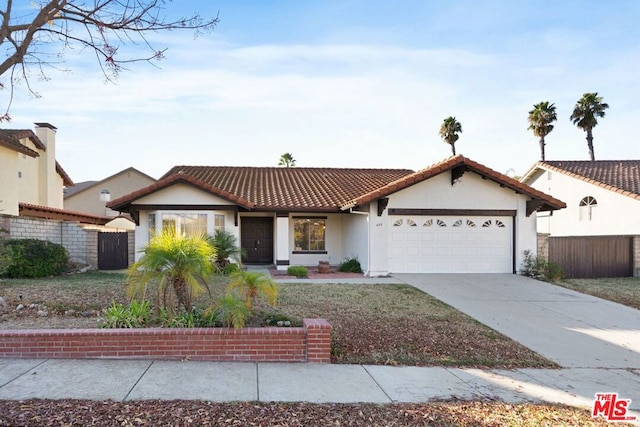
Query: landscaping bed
column 372, row 324
column 182, row 413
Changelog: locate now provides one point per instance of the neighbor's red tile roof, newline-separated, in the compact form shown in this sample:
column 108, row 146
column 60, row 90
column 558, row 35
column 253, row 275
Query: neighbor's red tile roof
column 279, row 188
column 550, row 203
column 620, row 176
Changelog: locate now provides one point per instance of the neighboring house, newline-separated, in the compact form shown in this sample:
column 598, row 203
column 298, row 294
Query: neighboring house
column 29, row 172
column 603, row 196
column 91, row 196
column 453, row 217
column 598, row 234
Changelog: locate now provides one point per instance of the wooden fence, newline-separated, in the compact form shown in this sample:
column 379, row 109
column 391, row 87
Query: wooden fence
column 593, row 256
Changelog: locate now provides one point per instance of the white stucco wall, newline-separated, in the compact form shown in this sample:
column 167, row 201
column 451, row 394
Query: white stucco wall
column 333, row 241
column 355, row 238
column 183, row 194
column 615, row 214
column 471, row 192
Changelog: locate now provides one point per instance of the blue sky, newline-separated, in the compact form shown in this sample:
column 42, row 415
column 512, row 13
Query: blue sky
column 351, row 84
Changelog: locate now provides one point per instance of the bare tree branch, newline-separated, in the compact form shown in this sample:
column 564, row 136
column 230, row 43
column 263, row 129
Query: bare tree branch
column 101, row 26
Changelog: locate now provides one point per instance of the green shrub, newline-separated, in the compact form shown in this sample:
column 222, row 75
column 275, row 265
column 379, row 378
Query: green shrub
column 539, row 268
column 298, row 271
column 231, row 311
column 136, row 315
column 350, row 265
column 230, row 268
column 196, row 318
column 5, row 257
column 30, row 258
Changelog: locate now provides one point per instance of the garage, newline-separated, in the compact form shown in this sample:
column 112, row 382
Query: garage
column 451, row 244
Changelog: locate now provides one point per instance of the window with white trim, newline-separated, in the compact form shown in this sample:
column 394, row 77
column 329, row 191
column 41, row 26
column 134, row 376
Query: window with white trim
column 181, row 223
column 309, row 234
column 218, row 222
column 586, row 208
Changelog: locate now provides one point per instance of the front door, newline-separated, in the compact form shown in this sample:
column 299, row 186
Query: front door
column 256, row 238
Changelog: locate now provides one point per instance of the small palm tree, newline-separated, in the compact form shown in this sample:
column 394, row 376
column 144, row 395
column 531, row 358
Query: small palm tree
column 252, row 285
column 449, row 131
column 226, row 246
column 585, row 115
column 179, row 265
column 287, row 160
column 540, row 119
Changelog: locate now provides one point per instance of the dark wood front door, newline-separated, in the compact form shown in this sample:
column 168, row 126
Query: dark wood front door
column 256, row 238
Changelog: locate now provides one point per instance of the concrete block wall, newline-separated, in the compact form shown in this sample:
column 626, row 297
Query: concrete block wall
column 80, row 241
column 74, row 239
column 35, row 228
column 311, row 343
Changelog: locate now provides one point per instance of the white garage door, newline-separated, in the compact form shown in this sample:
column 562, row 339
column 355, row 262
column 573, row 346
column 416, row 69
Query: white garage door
column 450, row 244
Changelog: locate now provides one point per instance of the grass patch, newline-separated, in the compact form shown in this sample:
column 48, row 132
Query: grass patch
column 400, row 325
column 623, row 290
column 372, row 324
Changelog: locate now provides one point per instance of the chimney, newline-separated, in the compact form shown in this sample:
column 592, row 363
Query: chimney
column 47, row 175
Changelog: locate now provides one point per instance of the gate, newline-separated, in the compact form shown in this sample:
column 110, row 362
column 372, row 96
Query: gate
column 113, row 251
column 593, row 256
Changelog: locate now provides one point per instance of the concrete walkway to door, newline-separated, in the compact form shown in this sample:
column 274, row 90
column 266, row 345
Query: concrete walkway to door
column 573, row 329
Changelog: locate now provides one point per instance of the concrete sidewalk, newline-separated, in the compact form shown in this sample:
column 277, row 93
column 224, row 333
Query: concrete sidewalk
column 123, row 380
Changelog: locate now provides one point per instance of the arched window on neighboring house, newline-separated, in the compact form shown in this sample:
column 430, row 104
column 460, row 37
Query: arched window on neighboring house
column 586, row 208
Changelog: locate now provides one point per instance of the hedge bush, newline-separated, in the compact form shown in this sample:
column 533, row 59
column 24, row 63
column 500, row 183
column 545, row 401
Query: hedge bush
column 29, row 258
column 350, row 265
column 298, row 271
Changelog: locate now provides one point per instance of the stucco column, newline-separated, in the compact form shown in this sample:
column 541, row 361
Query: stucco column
column 282, row 242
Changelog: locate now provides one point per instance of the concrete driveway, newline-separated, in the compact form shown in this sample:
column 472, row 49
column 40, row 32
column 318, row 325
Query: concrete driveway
column 573, row 329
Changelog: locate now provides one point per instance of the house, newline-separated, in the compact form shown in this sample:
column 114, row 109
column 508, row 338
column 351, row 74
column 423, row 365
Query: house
column 29, row 172
column 91, row 196
column 602, row 196
column 598, row 234
column 452, row 217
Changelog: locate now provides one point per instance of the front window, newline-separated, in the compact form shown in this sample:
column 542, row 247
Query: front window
column 309, row 234
column 181, row 223
column 218, row 222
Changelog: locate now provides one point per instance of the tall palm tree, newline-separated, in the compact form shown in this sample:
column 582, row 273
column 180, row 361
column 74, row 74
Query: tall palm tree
column 540, row 119
column 449, row 131
column 178, row 265
column 585, row 115
column 287, row 160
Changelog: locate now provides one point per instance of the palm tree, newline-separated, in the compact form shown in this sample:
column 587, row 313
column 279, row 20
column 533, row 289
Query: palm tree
column 251, row 285
column 227, row 249
column 178, row 264
column 540, row 119
column 449, row 131
column 287, row 160
column 585, row 115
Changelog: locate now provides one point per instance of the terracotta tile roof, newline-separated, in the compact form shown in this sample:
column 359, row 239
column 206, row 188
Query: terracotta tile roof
column 293, row 188
column 548, row 202
column 620, row 176
column 10, row 138
column 270, row 188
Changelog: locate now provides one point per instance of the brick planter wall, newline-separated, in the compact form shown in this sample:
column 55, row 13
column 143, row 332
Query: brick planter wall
column 310, row 343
